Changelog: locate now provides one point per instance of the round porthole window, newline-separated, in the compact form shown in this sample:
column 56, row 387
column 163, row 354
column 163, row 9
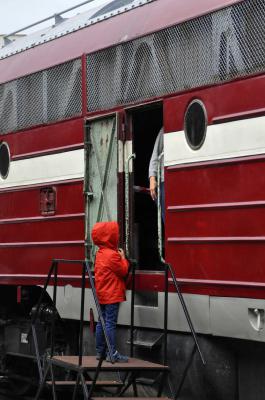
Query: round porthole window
column 4, row 160
column 195, row 124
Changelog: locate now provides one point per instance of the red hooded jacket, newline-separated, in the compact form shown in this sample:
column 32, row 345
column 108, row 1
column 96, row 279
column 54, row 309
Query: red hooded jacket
column 110, row 267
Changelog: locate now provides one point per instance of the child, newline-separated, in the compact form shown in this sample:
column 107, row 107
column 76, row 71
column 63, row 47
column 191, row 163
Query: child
column 110, row 269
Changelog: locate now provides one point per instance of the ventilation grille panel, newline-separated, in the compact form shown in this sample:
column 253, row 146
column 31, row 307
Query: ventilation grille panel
column 50, row 95
column 217, row 47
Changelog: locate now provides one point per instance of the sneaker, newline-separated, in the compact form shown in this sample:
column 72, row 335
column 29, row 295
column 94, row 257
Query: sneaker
column 117, row 357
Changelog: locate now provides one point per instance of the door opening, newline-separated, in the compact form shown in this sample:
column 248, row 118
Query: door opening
column 146, row 124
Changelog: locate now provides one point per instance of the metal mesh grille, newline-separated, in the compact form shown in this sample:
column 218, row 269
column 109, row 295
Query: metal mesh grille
column 46, row 96
column 210, row 49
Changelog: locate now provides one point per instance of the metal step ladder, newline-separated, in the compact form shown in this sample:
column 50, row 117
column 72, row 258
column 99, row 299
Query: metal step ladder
column 82, row 365
column 132, row 369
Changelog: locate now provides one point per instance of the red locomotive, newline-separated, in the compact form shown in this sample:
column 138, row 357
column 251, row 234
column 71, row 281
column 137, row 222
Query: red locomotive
column 114, row 76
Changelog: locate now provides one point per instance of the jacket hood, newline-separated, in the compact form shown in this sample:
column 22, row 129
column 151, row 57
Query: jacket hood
column 106, row 234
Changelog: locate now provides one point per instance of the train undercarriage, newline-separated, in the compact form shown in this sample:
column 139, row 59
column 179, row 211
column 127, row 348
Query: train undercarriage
column 234, row 368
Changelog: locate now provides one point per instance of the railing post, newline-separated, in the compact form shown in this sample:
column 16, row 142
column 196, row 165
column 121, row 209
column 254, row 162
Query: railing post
column 186, row 312
column 127, row 204
column 88, row 195
column 82, row 315
column 54, row 304
column 132, row 309
column 98, row 309
column 42, row 293
column 165, row 315
column 32, row 328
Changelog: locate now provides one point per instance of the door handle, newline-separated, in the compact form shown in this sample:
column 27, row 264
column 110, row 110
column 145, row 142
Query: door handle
column 127, row 203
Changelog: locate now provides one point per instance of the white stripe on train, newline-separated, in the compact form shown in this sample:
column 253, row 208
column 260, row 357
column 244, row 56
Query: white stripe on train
column 227, row 140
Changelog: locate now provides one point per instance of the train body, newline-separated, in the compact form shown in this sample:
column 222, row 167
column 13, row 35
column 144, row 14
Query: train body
column 115, row 76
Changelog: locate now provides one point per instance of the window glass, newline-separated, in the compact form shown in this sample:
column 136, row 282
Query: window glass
column 4, row 160
column 195, row 124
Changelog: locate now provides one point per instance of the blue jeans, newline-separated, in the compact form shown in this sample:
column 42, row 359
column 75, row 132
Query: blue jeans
column 110, row 316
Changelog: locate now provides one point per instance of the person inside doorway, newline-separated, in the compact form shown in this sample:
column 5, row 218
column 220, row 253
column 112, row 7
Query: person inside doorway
column 155, row 161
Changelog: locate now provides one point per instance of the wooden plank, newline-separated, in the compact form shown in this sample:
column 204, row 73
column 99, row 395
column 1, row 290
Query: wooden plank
column 131, row 398
column 91, row 363
column 98, row 383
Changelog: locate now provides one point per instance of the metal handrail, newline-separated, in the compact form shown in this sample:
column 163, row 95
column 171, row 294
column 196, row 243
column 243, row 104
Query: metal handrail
column 56, row 15
column 168, row 269
column 54, row 272
column 133, row 265
column 186, row 312
column 159, row 212
column 127, row 247
column 88, row 195
column 127, row 203
column 160, row 250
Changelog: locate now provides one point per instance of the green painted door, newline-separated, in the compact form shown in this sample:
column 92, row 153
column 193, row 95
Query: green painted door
column 101, row 180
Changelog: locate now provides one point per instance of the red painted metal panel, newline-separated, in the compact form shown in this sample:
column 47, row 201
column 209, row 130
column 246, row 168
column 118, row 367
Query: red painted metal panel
column 220, row 183
column 223, row 222
column 54, row 150
column 53, row 136
column 239, row 261
column 37, row 259
column 215, row 235
column 43, row 231
column 124, row 27
column 215, row 242
column 25, row 203
column 155, row 282
column 41, row 218
column 245, row 98
column 147, row 281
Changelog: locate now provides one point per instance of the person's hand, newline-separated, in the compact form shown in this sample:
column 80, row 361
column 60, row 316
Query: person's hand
column 153, row 186
column 121, row 253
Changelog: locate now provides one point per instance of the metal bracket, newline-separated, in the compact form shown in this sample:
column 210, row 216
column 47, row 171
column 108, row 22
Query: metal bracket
column 7, row 41
column 58, row 19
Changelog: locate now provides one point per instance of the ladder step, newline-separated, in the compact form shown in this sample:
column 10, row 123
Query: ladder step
column 142, row 343
column 146, row 339
column 145, row 381
column 98, row 383
column 20, row 355
column 90, row 363
column 131, row 398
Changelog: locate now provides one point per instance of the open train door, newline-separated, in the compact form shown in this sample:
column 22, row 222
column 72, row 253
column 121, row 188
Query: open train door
column 144, row 123
column 100, row 175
